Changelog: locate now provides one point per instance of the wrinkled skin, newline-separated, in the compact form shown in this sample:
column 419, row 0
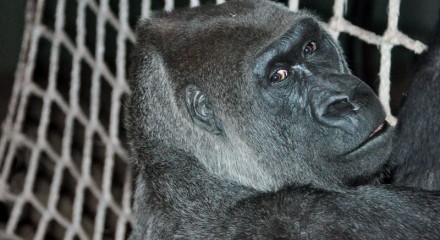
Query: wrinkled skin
column 245, row 122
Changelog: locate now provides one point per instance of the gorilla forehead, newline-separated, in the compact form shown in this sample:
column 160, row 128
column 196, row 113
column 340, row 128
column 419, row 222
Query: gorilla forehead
column 203, row 44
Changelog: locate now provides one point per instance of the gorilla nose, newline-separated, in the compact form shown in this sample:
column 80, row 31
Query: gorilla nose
column 337, row 106
column 342, row 100
column 336, row 109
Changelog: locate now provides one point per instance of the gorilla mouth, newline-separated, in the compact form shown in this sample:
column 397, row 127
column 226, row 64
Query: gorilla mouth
column 382, row 128
column 376, row 133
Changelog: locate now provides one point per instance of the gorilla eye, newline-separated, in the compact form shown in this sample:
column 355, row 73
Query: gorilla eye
column 309, row 48
column 279, row 76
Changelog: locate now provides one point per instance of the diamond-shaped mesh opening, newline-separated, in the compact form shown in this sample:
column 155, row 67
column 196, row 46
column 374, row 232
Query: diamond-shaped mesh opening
column 183, row 3
column 71, row 17
column 114, row 7
column 134, row 12
column 121, row 132
column 362, row 58
column 157, row 5
column 49, row 14
column 89, row 212
column 324, row 10
column 110, row 225
column 369, row 15
column 207, row 1
column 77, row 146
column 90, row 29
column 105, row 99
column 27, row 225
column 2, row 156
column 32, row 119
column 410, row 18
column 110, row 41
column 128, row 46
column 56, row 128
column 98, row 157
column 67, row 195
column 63, row 148
column 401, row 73
column 43, row 179
column 5, row 209
column 84, row 87
column 19, row 169
column 119, row 177
column 41, row 73
column 64, row 73
column 127, row 232
column 55, row 231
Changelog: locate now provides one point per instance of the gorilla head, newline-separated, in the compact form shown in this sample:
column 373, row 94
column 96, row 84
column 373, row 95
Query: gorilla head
column 259, row 95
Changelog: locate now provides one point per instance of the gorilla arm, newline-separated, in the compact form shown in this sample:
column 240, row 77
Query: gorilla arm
column 417, row 145
column 186, row 201
column 364, row 213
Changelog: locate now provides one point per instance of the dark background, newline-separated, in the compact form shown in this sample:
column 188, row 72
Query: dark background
column 417, row 19
column 11, row 30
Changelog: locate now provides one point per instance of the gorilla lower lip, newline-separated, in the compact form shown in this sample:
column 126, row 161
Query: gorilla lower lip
column 379, row 131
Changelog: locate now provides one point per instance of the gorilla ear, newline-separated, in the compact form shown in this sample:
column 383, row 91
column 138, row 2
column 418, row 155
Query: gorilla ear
column 200, row 110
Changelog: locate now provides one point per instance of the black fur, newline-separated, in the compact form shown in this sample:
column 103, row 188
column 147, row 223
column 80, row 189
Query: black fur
column 417, row 148
column 223, row 152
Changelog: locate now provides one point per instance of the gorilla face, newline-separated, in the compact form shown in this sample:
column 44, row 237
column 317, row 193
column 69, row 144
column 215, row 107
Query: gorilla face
column 265, row 103
column 319, row 112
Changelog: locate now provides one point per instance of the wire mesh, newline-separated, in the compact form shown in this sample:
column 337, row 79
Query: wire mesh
column 64, row 170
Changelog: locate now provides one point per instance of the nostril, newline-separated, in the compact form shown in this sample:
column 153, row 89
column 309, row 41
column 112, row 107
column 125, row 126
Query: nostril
column 338, row 108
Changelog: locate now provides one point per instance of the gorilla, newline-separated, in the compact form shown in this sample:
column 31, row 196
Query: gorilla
column 245, row 122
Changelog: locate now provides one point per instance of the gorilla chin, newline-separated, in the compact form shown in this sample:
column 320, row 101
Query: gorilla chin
column 379, row 137
column 370, row 159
